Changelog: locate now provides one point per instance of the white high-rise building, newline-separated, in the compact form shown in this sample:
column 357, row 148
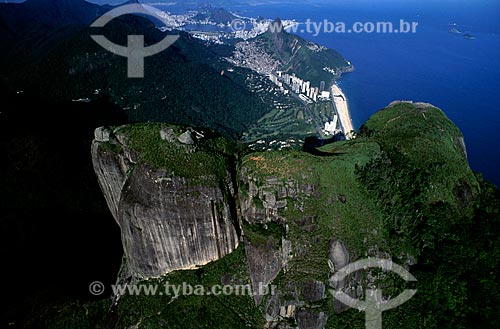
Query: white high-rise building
column 331, row 126
column 325, row 94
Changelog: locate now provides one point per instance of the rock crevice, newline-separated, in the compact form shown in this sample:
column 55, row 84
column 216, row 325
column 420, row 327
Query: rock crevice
column 167, row 222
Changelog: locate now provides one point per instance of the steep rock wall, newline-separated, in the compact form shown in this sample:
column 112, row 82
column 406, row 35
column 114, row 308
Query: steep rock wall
column 168, row 222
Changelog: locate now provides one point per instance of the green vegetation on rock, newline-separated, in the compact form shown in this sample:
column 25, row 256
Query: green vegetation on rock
column 302, row 57
column 401, row 190
column 195, row 311
column 212, row 155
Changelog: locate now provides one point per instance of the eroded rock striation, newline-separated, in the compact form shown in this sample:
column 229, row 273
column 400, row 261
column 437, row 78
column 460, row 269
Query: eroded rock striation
column 182, row 200
column 168, row 220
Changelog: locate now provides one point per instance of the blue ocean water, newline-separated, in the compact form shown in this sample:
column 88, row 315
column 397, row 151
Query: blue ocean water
column 460, row 76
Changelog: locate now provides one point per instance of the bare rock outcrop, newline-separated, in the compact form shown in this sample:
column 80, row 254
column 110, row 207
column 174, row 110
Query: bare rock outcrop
column 264, row 264
column 167, row 221
column 265, row 197
column 311, row 320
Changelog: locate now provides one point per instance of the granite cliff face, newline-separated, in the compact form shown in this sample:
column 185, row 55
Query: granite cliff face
column 182, row 201
column 168, row 221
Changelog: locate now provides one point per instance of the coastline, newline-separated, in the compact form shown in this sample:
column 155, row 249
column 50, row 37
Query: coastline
column 340, row 103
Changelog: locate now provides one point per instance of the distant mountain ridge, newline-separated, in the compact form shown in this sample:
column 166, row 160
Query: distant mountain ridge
column 50, row 13
column 299, row 56
column 48, row 51
column 218, row 16
column 183, row 84
column 28, row 29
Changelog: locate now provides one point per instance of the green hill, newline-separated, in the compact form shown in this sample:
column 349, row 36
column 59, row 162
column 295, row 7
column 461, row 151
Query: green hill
column 300, row 56
column 182, row 84
column 218, row 16
column 402, row 190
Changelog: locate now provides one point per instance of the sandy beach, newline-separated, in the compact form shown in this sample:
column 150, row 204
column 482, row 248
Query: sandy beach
column 343, row 111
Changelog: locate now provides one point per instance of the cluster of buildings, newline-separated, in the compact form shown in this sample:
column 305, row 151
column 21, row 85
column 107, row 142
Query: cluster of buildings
column 254, row 27
column 308, row 94
column 249, row 54
column 303, row 88
column 331, row 126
